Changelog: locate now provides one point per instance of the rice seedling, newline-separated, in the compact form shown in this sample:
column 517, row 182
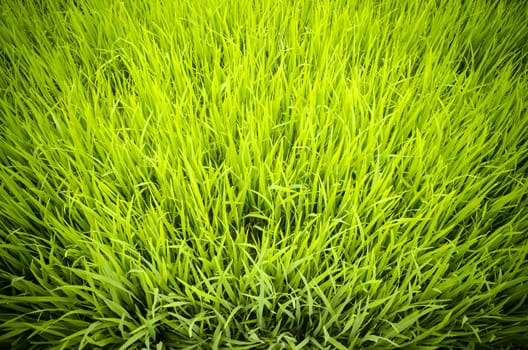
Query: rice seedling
column 263, row 175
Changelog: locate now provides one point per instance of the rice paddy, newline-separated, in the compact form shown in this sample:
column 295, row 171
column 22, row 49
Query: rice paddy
column 263, row 174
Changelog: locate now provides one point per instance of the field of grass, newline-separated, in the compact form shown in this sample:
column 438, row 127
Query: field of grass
column 263, row 174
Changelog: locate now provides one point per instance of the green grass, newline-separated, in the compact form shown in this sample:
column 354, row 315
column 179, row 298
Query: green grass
column 263, row 174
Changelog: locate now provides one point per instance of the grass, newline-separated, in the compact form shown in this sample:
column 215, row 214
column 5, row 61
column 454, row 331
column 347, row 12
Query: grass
column 263, row 174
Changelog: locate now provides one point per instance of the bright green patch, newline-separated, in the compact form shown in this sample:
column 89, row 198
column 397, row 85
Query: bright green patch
column 263, row 174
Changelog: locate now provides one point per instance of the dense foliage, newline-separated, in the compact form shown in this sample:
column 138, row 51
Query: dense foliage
column 263, row 174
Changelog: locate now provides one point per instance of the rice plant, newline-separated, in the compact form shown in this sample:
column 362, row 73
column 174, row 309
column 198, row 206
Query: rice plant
column 283, row 174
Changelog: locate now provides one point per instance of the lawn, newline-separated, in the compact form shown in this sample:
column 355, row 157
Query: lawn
column 282, row 174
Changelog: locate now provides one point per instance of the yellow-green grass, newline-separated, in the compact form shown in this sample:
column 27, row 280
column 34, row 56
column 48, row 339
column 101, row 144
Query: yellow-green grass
column 263, row 174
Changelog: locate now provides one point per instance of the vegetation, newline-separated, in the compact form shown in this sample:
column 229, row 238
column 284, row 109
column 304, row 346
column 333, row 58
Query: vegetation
column 263, row 174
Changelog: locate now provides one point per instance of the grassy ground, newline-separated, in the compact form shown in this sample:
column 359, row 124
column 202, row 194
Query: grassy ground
column 263, row 174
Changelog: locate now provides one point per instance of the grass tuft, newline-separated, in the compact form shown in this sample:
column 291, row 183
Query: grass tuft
column 263, row 175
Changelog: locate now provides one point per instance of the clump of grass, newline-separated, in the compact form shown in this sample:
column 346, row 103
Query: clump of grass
column 263, row 175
